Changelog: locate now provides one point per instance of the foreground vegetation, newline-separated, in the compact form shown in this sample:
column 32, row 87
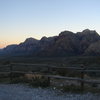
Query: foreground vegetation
column 38, row 80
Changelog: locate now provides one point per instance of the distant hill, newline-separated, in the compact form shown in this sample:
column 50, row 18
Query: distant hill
column 66, row 43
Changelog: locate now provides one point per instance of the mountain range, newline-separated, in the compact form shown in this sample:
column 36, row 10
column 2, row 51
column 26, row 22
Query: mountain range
column 67, row 43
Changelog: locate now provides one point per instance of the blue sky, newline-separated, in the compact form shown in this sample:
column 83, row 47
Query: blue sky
column 20, row 19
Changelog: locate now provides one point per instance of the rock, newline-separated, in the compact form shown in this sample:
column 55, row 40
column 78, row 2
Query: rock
column 66, row 43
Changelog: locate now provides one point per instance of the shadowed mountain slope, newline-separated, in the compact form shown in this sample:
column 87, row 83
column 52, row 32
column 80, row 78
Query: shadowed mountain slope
column 66, row 43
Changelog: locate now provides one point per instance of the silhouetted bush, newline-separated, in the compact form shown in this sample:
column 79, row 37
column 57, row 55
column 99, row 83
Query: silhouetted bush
column 39, row 82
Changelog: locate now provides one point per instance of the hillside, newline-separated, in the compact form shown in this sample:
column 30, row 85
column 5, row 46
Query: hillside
column 66, row 43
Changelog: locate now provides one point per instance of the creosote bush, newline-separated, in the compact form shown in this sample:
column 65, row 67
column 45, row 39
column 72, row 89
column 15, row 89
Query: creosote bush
column 35, row 80
column 39, row 81
column 70, row 88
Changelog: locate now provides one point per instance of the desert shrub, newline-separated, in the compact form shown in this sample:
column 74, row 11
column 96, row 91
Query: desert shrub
column 61, row 72
column 77, row 89
column 39, row 81
column 70, row 88
column 14, row 75
column 35, row 80
column 68, row 72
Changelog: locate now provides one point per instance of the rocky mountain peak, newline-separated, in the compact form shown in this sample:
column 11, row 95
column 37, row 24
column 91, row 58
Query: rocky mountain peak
column 66, row 43
column 10, row 47
column 30, row 41
column 66, row 33
column 87, row 31
column 44, row 38
column 89, row 35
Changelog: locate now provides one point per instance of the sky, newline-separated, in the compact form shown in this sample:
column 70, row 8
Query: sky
column 21, row 19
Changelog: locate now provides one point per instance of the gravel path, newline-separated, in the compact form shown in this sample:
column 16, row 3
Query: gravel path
column 22, row 92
